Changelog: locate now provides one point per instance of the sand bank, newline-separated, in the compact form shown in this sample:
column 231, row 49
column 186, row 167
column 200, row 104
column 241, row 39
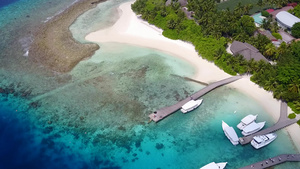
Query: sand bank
column 54, row 46
column 132, row 30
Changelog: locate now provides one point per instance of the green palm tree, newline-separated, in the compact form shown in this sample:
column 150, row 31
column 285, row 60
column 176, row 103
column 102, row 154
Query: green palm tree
column 272, row 83
column 278, row 92
column 281, row 3
column 218, row 54
column 146, row 15
column 294, row 86
column 297, row 105
column 260, row 3
column 247, row 9
column 275, row 27
column 270, row 50
column 268, row 86
column 265, row 24
column 238, row 10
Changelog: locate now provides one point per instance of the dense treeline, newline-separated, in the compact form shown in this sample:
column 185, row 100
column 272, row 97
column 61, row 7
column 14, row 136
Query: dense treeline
column 212, row 29
column 276, row 3
column 222, row 23
column 176, row 26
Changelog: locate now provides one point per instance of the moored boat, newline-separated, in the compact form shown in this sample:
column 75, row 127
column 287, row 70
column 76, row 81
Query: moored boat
column 246, row 121
column 191, row 105
column 253, row 128
column 230, row 133
column 263, row 140
column 214, row 165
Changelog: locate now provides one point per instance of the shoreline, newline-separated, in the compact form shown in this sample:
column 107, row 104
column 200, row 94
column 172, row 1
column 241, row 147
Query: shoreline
column 130, row 29
column 54, row 46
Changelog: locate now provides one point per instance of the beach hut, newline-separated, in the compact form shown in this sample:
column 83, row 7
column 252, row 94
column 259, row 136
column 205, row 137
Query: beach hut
column 248, row 51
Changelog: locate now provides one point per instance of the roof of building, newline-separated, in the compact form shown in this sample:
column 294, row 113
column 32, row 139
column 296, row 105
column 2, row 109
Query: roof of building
column 286, row 8
column 287, row 38
column 248, row 51
column 189, row 14
column 294, row 4
column 267, row 33
column 270, row 10
column 287, row 19
column 182, row 2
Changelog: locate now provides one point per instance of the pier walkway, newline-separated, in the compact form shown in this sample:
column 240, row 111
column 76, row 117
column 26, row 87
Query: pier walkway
column 282, row 122
column 166, row 111
column 274, row 161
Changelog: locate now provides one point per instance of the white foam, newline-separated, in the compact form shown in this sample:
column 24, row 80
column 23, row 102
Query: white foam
column 26, row 43
column 59, row 12
column 26, row 53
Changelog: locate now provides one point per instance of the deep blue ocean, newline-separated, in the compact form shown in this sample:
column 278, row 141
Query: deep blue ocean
column 96, row 116
column 6, row 2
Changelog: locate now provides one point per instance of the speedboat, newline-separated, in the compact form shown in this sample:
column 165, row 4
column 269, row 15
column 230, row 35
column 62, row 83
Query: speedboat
column 253, row 128
column 230, row 133
column 246, row 121
column 191, row 105
column 263, row 140
column 214, row 165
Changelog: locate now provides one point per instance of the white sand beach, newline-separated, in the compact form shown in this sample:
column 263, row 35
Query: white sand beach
column 132, row 30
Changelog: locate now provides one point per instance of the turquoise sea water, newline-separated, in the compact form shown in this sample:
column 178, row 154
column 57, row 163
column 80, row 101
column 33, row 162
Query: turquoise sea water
column 96, row 116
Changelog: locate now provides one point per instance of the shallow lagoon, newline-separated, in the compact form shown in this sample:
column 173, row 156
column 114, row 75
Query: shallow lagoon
column 97, row 115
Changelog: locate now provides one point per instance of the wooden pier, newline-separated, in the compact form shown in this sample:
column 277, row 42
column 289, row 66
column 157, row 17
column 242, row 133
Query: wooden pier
column 166, row 111
column 282, row 122
column 274, row 161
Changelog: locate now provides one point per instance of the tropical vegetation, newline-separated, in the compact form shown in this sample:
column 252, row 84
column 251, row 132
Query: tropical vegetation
column 292, row 115
column 265, row 13
column 296, row 30
column 296, row 11
column 277, row 35
column 211, row 29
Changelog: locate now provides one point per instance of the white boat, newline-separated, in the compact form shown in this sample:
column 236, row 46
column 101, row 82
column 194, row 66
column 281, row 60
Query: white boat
column 191, row 105
column 230, row 133
column 214, row 165
column 246, row 121
column 263, row 140
column 253, row 128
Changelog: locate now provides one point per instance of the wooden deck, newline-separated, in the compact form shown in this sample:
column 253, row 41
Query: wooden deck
column 274, row 161
column 283, row 122
column 166, row 111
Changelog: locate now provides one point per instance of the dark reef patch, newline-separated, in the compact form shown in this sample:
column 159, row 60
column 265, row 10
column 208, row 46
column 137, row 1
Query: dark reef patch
column 159, row 146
